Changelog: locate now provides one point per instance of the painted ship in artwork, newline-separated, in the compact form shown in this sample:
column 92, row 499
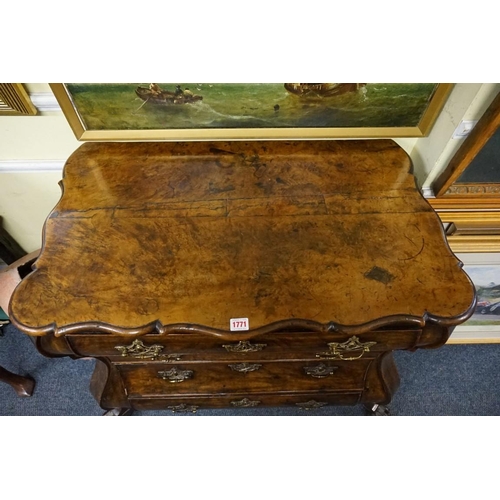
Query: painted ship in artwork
column 155, row 95
column 322, row 89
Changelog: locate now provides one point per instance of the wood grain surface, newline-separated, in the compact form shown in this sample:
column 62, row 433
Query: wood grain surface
column 156, row 236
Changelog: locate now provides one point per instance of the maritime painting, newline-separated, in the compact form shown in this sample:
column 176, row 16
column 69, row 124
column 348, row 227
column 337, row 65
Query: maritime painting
column 249, row 106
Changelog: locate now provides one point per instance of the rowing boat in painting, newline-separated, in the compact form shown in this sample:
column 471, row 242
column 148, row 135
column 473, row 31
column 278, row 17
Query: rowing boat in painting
column 165, row 97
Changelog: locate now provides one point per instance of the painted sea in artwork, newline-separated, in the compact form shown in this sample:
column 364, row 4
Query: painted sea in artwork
column 116, row 106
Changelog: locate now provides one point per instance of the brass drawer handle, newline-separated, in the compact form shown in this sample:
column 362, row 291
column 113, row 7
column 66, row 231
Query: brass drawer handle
column 245, row 367
column 137, row 349
column 244, row 346
column 183, row 408
column 310, row 405
column 245, row 403
column 345, row 349
column 175, row 376
column 320, row 371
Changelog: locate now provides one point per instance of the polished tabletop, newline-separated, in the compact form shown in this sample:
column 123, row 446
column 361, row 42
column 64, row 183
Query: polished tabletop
column 324, row 232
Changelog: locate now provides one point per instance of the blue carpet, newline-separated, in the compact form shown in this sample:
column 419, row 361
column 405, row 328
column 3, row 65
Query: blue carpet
column 454, row 380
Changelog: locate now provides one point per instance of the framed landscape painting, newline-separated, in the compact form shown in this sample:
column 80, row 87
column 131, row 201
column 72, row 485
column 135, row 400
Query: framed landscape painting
column 484, row 325
column 224, row 111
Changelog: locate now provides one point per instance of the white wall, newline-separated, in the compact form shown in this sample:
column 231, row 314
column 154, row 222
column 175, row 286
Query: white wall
column 32, row 152
column 32, row 145
column 26, row 199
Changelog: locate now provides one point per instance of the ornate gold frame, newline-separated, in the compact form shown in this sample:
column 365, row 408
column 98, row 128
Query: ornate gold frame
column 14, row 100
column 434, row 108
column 473, row 225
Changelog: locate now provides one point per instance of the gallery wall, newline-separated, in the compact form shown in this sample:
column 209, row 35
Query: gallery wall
column 33, row 150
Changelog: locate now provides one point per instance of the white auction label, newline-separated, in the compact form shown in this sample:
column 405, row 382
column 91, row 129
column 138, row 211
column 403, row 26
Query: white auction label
column 236, row 324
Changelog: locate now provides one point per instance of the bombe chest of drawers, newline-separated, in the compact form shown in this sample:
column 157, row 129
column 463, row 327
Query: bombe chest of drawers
column 241, row 274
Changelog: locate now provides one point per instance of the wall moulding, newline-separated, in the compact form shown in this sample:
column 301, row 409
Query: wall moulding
column 34, row 166
column 45, row 102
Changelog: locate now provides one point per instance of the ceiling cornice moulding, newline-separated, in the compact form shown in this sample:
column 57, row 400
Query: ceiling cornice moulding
column 45, row 101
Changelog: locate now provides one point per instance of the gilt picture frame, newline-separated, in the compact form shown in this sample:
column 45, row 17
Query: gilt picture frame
column 202, row 111
column 483, row 326
column 15, row 100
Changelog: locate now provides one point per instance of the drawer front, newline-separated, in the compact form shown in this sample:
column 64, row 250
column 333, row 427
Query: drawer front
column 224, row 378
column 187, row 405
column 195, row 347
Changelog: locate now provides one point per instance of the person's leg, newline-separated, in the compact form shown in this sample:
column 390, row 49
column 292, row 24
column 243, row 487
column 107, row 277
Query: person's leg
column 12, row 275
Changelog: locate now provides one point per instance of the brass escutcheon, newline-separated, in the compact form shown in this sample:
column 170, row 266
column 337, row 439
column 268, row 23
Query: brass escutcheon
column 244, row 346
column 137, row 349
column 339, row 350
column 320, row 371
column 245, row 403
column 182, row 408
column 310, row 405
column 245, row 367
column 175, row 376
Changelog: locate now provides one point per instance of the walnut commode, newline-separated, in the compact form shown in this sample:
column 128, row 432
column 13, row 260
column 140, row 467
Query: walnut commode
column 241, row 274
